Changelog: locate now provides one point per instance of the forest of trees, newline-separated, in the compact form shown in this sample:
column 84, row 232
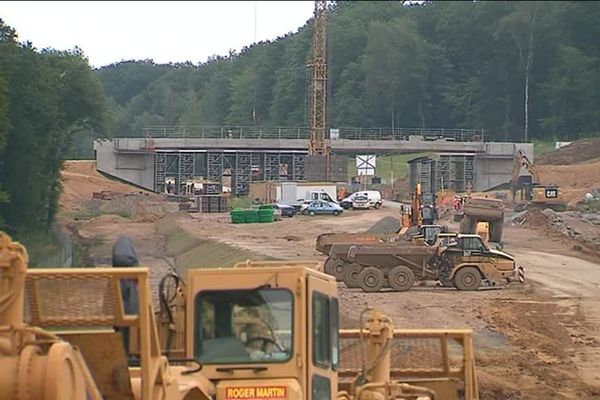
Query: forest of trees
column 440, row 64
column 47, row 98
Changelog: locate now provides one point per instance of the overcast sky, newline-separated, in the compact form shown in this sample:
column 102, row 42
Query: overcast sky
column 164, row 31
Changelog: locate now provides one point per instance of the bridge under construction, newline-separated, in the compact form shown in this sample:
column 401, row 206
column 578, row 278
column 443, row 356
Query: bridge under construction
column 236, row 156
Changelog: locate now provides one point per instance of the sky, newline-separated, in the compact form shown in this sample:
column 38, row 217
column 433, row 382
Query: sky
column 174, row 31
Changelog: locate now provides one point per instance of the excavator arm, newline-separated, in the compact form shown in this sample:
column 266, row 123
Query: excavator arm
column 521, row 160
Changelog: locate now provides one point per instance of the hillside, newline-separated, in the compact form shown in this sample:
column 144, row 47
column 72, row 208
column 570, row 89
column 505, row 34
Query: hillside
column 441, row 64
column 577, row 152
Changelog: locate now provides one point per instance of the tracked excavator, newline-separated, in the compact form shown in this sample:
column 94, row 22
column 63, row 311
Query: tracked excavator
column 534, row 194
column 259, row 330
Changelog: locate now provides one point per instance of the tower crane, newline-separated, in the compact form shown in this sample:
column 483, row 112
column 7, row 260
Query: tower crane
column 317, row 145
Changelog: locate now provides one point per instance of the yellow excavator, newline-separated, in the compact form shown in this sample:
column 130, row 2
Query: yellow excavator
column 259, row 330
column 534, row 194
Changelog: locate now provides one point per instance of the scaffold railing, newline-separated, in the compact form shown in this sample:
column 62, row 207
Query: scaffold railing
column 303, row 132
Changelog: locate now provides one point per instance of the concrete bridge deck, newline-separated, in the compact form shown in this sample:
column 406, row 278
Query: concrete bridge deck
column 412, row 145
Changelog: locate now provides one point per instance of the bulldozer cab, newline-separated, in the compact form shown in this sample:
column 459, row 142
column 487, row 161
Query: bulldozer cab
column 263, row 331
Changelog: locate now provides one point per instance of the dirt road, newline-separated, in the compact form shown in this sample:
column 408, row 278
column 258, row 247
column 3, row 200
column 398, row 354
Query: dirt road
column 575, row 284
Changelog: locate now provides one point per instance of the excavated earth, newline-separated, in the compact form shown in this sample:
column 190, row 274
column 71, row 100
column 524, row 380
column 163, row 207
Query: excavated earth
column 535, row 340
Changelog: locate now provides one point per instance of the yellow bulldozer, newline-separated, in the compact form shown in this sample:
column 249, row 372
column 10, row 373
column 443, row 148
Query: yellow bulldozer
column 259, row 330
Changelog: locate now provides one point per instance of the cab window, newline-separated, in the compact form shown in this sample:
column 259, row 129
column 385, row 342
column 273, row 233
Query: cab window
column 244, row 326
column 472, row 243
column 335, row 334
column 321, row 334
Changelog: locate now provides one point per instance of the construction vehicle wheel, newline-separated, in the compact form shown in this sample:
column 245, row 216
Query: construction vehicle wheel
column 401, row 278
column 496, row 229
column 334, row 267
column 371, row 279
column 350, row 275
column 467, row 278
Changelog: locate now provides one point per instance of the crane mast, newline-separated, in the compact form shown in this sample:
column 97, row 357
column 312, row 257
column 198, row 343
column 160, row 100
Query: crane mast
column 316, row 145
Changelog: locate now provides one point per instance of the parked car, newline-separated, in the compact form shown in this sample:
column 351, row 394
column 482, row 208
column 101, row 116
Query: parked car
column 361, row 202
column 285, row 210
column 323, row 208
column 374, row 197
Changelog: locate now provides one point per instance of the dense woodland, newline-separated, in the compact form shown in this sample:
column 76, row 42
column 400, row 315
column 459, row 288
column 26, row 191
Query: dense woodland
column 441, row 64
column 46, row 98
column 511, row 68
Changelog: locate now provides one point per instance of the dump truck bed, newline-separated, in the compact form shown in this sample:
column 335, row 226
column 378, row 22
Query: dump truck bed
column 387, row 256
column 327, row 240
column 484, row 208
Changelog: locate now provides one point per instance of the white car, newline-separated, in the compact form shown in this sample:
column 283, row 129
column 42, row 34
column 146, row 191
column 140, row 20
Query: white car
column 374, row 197
column 361, row 202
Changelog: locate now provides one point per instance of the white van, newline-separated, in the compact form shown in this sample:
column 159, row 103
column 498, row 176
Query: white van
column 374, row 197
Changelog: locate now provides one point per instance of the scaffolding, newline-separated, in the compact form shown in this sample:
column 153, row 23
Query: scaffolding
column 442, row 172
column 214, row 172
column 298, row 166
column 272, row 164
column 242, row 173
column 455, row 171
column 217, row 168
column 160, row 170
column 185, row 170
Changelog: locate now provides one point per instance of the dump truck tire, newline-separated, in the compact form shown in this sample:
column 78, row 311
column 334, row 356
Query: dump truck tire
column 350, row 275
column 334, row 267
column 496, row 229
column 467, row 278
column 401, row 278
column 371, row 279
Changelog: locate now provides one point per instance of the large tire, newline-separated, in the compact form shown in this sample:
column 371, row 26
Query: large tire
column 467, row 278
column 334, row 267
column 401, row 278
column 496, row 228
column 371, row 279
column 350, row 275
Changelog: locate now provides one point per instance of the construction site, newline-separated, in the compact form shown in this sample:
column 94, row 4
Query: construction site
column 473, row 276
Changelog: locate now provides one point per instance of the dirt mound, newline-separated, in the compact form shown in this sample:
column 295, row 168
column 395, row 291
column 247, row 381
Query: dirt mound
column 576, row 152
column 386, row 225
column 80, row 180
column 574, row 180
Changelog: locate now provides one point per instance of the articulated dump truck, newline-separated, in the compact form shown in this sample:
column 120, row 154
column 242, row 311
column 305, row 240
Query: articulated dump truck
column 460, row 260
column 336, row 245
column 259, row 330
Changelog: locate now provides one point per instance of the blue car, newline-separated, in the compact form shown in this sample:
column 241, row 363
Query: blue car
column 322, row 208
